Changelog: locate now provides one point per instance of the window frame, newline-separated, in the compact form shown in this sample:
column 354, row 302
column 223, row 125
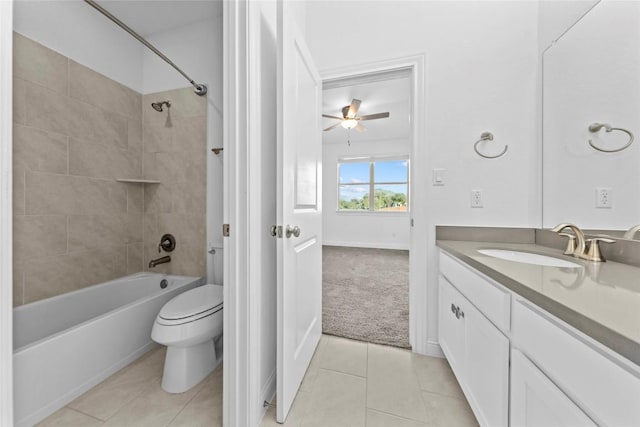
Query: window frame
column 372, row 160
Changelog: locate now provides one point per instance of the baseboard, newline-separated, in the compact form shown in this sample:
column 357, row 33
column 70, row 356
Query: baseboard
column 267, row 394
column 433, row 349
column 397, row 246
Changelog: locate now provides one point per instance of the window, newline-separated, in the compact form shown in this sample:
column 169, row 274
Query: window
column 374, row 184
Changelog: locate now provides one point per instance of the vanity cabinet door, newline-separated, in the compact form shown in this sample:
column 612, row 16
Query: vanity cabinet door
column 486, row 369
column 451, row 327
column 478, row 354
column 537, row 402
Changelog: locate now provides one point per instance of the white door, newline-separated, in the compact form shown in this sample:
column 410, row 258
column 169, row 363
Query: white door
column 537, row 402
column 299, row 209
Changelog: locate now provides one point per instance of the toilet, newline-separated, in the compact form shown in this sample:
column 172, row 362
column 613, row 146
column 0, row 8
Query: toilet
column 188, row 325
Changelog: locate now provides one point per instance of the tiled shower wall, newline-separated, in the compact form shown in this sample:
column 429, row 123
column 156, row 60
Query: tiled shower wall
column 174, row 143
column 75, row 133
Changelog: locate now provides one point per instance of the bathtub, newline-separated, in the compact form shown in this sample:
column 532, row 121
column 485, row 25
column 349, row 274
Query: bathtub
column 67, row 344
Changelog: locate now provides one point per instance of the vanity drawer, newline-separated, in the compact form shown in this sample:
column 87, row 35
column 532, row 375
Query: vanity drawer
column 606, row 387
column 491, row 299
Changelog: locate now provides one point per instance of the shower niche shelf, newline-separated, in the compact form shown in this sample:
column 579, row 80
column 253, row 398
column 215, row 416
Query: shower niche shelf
column 138, row 181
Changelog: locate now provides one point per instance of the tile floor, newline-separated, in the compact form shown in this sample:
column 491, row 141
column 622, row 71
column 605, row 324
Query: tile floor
column 133, row 397
column 349, row 383
column 352, row 383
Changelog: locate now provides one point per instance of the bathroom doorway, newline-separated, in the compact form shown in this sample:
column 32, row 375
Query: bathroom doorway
column 367, row 201
column 112, row 153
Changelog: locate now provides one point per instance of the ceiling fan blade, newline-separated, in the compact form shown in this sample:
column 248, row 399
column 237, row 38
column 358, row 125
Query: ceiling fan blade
column 374, row 116
column 353, row 108
column 334, row 126
column 360, row 128
column 331, row 117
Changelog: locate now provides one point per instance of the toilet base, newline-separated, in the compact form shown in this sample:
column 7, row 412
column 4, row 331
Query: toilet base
column 185, row 367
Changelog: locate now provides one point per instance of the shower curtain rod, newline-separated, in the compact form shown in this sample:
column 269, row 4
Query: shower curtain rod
column 199, row 89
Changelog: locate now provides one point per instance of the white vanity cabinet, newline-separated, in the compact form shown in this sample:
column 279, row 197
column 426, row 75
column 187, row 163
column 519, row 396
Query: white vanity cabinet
column 477, row 351
column 519, row 365
column 536, row 401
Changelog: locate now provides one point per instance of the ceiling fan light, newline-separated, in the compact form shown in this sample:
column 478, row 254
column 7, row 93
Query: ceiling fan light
column 349, row 123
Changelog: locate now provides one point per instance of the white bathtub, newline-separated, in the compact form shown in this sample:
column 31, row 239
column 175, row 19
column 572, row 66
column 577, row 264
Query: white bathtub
column 67, row 344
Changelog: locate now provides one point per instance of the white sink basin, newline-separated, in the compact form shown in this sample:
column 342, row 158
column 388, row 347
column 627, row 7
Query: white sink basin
column 528, row 258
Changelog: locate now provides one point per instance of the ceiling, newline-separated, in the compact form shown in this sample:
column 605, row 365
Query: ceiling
column 153, row 16
column 377, row 97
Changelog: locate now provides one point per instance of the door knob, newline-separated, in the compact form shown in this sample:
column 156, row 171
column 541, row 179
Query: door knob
column 292, row 230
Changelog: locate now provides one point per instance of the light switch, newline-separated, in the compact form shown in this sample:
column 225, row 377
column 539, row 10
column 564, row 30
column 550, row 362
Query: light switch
column 438, row 177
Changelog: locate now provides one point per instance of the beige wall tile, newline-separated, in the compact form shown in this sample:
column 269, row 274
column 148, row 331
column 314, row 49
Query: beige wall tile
column 150, row 166
column 102, row 161
column 51, row 111
column 135, row 198
column 186, row 228
column 184, row 103
column 48, row 194
column 89, row 232
column 19, row 101
column 157, row 138
column 50, row 276
column 135, row 258
column 96, row 89
column 151, row 234
column 190, row 135
column 38, row 236
column 38, row 150
column 186, row 259
column 18, row 284
column 158, row 199
column 134, row 129
column 38, row 64
column 18, row 191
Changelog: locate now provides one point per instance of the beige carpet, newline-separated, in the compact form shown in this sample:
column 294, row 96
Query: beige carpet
column 365, row 294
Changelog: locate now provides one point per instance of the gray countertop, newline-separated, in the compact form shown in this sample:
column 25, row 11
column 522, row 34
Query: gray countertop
column 600, row 299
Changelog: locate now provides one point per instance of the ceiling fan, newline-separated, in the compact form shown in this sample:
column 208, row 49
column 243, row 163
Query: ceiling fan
column 350, row 118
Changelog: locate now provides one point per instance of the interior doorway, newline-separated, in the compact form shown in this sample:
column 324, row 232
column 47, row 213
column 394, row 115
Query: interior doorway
column 367, row 150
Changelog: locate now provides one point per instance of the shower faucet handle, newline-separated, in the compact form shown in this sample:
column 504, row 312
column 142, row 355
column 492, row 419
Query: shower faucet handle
column 167, row 243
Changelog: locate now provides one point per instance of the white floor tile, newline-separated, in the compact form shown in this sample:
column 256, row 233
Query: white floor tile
column 445, row 411
column 379, row 419
column 337, row 400
column 435, row 375
column 344, row 355
column 392, row 386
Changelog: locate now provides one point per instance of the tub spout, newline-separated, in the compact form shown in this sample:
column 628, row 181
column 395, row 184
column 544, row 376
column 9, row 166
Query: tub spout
column 163, row 260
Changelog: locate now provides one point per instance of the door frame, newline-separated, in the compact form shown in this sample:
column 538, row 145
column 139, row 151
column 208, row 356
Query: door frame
column 6, row 214
column 420, row 215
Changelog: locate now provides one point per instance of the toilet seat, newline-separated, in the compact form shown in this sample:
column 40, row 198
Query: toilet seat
column 192, row 305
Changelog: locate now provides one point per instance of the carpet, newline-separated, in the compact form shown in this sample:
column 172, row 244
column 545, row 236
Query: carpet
column 365, row 294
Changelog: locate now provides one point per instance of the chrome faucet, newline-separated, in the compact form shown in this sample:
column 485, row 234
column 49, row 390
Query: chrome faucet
column 630, row 234
column 163, row 260
column 580, row 247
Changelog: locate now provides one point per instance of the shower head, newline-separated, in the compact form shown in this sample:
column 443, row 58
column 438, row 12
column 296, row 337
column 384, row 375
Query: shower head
column 158, row 105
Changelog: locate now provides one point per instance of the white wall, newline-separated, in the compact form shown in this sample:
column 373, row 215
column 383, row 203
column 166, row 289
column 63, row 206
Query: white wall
column 481, row 75
column 556, row 17
column 360, row 229
column 76, row 30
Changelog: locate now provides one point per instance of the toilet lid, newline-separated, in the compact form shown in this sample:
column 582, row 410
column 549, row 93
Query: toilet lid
column 193, row 302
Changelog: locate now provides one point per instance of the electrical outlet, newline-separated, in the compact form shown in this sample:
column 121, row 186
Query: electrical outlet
column 476, row 198
column 604, row 197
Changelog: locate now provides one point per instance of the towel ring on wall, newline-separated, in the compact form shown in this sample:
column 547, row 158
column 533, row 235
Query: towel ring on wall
column 595, row 127
column 488, row 136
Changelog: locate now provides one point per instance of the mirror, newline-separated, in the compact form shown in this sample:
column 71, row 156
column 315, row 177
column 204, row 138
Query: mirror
column 591, row 77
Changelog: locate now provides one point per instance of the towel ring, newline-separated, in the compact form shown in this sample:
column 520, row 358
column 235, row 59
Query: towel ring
column 488, row 136
column 595, row 127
